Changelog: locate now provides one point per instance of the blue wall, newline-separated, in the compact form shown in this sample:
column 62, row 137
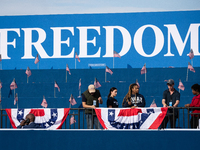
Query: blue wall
column 130, row 22
column 98, row 139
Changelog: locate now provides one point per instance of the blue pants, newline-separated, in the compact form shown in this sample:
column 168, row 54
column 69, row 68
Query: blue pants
column 95, row 122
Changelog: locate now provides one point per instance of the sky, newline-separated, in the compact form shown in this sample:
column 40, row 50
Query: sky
column 38, row 7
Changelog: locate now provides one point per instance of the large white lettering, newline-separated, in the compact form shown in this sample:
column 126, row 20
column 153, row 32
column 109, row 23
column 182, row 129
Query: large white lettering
column 28, row 43
column 193, row 31
column 57, row 42
column 4, row 41
column 84, row 41
column 110, row 40
column 159, row 41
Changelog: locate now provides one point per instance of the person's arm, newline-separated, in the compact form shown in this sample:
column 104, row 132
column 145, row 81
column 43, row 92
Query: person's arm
column 164, row 103
column 100, row 100
column 176, row 104
column 87, row 106
column 84, row 103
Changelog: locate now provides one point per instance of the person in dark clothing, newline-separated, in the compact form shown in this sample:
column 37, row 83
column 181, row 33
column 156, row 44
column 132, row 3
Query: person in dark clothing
column 111, row 101
column 133, row 99
column 29, row 122
column 91, row 98
column 171, row 99
column 195, row 103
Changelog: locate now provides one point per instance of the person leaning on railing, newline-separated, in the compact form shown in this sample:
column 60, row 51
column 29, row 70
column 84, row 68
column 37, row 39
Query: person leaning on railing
column 133, row 99
column 195, row 103
column 171, row 99
column 91, row 98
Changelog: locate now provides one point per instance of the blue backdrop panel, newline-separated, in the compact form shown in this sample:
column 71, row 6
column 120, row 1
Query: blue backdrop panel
column 98, row 140
column 140, row 38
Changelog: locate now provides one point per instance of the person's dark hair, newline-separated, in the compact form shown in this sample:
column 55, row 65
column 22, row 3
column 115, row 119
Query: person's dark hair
column 112, row 89
column 196, row 87
column 128, row 95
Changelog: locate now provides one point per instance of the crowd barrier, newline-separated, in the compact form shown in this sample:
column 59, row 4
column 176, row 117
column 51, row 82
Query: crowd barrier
column 182, row 120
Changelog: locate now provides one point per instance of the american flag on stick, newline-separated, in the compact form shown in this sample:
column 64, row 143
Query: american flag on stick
column 56, row 86
column 72, row 100
column 79, row 85
column 137, row 83
column 16, row 99
column 76, row 56
column 153, row 104
column 144, row 69
column 190, row 67
column 72, row 120
column 181, row 86
column 96, row 83
column 115, row 54
column 191, row 54
column 67, row 69
column 28, row 72
column 13, row 85
column 44, row 103
column 36, row 59
column 109, row 70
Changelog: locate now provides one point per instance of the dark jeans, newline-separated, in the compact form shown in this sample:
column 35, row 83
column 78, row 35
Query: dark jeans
column 91, row 124
column 169, row 118
column 194, row 122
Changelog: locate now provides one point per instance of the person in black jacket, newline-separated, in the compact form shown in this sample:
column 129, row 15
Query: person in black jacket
column 133, row 99
column 111, row 101
column 29, row 122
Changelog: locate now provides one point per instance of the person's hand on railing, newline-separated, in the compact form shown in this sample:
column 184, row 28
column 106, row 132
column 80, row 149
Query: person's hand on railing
column 187, row 105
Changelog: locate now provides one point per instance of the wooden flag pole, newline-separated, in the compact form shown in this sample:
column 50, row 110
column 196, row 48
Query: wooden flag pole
column 145, row 77
column 66, row 76
column 105, row 76
column 75, row 62
column 113, row 62
column 187, row 75
column 17, row 100
column 27, row 79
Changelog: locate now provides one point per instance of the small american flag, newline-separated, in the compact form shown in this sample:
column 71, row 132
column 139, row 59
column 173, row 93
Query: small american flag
column 72, row 100
column 109, row 70
column 56, row 86
column 137, row 83
column 153, row 104
column 36, row 59
column 44, row 103
column 190, row 67
column 0, row 84
column 76, row 56
column 13, row 85
column 67, row 68
column 181, row 86
column 16, row 99
column 96, row 83
column 144, row 69
column 116, row 54
column 79, row 85
column 72, row 120
column 28, row 72
column 191, row 54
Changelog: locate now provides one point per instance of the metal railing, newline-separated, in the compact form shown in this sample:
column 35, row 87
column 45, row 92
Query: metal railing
column 182, row 118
